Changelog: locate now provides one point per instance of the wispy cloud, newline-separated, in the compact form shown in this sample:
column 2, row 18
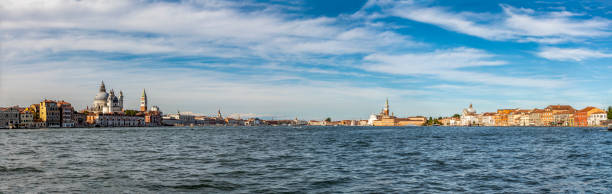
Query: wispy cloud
column 518, row 24
column 571, row 54
column 448, row 65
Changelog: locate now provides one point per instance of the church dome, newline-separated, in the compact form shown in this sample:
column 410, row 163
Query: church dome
column 101, row 96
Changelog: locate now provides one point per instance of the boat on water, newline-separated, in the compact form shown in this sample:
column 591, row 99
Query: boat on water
column 610, row 127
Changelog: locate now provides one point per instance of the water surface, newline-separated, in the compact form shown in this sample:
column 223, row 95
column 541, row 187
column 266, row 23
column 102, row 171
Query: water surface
column 307, row 159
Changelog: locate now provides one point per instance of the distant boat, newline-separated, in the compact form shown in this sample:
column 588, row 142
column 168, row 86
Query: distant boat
column 610, row 127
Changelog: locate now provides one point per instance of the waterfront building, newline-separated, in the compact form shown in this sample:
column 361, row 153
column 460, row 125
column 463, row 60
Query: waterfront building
column 469, row 116
column 317, row 123
column 9, row 117
column 297, row 122
column 384, row 119
column 501, row 118
column 373, row 118
column 363, row 123
column 582, row 118
column 143, row 101
column 535, row 117
column 79, row 119
column 348, row 123
column 564, row 118
column 50, row 113
column 256, row 122
column 153, row 118
column 524, row 120
column 107, row 103
column 487, row 119
column 240, row 122
column 597, row 117
column 115, row 120
column 66, row 112
column 548, row 116
column 518, row 117
column 26, row 118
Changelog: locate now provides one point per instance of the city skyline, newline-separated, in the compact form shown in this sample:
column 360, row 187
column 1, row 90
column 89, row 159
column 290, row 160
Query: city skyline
column 312, row 59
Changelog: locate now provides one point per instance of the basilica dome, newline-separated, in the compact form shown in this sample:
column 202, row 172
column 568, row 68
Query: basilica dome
column 101, row 96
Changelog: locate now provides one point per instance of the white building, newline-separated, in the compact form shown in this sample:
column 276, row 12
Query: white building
column 469, row 116
column 596, row 118
column 115, row 120
column 107, row 103
column 373, row 118
column 487, row 119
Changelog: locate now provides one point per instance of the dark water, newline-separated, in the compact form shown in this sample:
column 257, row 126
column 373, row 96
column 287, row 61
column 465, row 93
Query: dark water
column 309, row 159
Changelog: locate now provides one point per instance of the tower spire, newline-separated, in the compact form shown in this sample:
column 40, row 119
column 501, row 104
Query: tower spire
column 386, row 109
column 143, row 101
column 102, row 87
column 387, row 104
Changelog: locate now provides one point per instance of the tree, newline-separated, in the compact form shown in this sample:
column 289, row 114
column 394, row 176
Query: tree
column 609, row 112
column 456, row 116
column 328, row 119
column 131, row 112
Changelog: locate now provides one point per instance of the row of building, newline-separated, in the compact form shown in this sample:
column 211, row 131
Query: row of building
column 107, row 111
column 553, row 115
column 384, row 118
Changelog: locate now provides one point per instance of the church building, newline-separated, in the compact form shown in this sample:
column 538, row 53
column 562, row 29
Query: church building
column 107, row 103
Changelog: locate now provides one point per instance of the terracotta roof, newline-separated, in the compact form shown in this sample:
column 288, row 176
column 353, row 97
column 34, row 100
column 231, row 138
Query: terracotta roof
column 560, row 107
column 587, row 109
column 566, row 112
column 489, row 114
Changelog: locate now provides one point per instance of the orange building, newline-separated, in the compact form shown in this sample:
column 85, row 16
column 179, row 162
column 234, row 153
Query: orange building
column 581, row 117
column 501, row 118
column 548, row 116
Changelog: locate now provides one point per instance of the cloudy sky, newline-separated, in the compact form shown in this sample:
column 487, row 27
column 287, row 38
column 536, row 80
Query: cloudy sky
column 309, row 59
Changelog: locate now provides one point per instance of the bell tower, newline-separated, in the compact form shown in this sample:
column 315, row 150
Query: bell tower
column 143, row 101
column 386, row 110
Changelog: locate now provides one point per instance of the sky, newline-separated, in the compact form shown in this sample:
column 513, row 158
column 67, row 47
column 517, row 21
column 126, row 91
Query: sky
column 309, row 59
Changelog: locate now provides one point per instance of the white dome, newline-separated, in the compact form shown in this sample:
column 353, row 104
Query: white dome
column 101, row 96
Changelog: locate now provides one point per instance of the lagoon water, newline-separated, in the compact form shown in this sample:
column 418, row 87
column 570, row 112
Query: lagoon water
column 306, row 159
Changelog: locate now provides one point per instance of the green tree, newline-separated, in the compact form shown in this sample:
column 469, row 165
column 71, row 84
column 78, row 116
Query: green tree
column 609, row 112
column 131, row 112
column 328, row 119
column 456, row 115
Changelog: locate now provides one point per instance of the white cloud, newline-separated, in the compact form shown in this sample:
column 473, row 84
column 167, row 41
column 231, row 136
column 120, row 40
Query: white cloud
column 518, row 24
column 448, row 64
column 571, row 54
column 183, row 27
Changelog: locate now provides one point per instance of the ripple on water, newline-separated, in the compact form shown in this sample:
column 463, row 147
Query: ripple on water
column 284, row 159
column 202, row 184
column 19, row 170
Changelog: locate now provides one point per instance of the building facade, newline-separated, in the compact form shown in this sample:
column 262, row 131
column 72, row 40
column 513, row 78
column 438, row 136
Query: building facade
column 115, row 120
column 50, row 113
column 26, row 118
column 66, row 114
column 9, row 117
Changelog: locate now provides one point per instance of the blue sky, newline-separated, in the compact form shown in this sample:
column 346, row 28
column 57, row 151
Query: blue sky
column 309, row 59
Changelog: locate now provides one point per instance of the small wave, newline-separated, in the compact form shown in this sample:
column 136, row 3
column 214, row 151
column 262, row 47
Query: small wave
column 220, row 185
column 326, row 183
column 19, row 170
column 404, row 154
